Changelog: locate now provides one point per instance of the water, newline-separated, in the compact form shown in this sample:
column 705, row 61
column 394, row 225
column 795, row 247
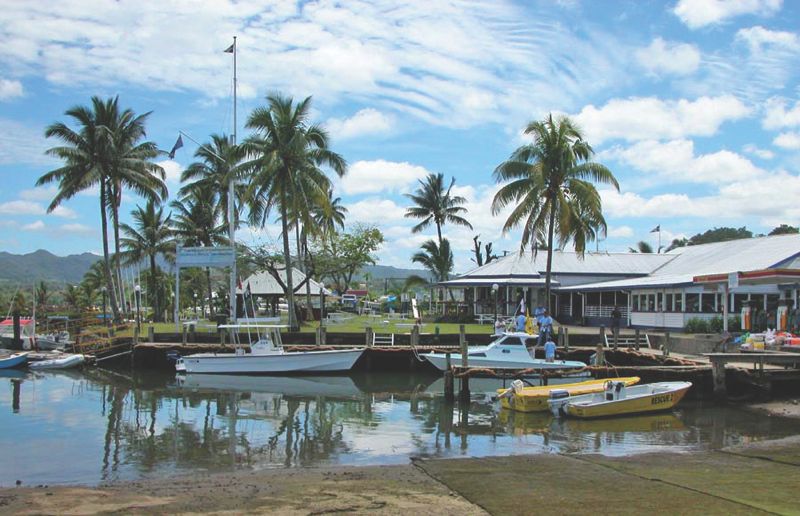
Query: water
column 100, row 426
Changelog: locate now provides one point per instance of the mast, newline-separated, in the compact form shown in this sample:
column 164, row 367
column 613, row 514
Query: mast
column 231, row 200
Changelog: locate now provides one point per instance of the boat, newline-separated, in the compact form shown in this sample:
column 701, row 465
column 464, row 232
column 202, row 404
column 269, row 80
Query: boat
column 267, row 356
column 617, row 399
column 301, row 386
column 53, row 341
column 534, row 399
column 7, row 361
column 26, row 330
column 508, row 351
column 62, row 361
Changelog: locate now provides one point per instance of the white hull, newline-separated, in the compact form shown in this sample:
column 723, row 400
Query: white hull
column 308, row 386
column 298, row 362
column 439, row 360
column 65, row 362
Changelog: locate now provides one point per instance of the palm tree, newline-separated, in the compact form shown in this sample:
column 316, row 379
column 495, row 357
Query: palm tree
column 435, row 205
column 329, row 215
column 286, row 152
column 551, row 187
column 151, row 236
column 437, row 259
column 218, row 165
column 641, row 247
column 42, row 296
column 86, row 154
column 72, row 297
column 197, row 222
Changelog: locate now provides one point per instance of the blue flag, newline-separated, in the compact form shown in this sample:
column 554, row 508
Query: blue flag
column 178, row 145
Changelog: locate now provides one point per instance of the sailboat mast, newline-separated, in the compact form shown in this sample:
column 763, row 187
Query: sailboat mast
column 231, row 200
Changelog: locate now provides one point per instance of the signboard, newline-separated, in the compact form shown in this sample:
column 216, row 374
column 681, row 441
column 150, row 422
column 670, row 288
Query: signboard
column 205, row 256
column 733, row 280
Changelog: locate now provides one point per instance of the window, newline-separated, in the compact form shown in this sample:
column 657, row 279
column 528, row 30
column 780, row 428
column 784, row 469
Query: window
column 708, row 303
column 679, row 302
column 692, row 303
column 660, row 302
column 635, row 303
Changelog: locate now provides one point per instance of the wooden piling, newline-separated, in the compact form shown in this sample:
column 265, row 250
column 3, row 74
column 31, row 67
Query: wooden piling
column 192, row 333
column 600, row 357
column 615, row 337
column 449, row 390
column 667, row 343
column 718, row 375
column 151, row 334
column 638, row 336
column 368, row 334
column 183, row 335
column 135, row 335
column 464, row 393
column 602, row 332
column 566, row 339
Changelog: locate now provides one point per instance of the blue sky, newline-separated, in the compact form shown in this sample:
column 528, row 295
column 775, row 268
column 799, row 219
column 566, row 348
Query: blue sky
column 692, row 104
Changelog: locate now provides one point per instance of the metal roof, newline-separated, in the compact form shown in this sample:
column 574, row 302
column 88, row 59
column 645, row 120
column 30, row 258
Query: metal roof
column 264, row 284
column 487, row 282
column 718, row 258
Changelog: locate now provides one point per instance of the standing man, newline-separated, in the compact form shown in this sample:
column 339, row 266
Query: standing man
column 521, row 320
column 550, row 350
column 616, row 316
column 545, row 327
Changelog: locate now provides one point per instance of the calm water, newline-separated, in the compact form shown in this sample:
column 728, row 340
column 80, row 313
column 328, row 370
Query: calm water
column 100, row 426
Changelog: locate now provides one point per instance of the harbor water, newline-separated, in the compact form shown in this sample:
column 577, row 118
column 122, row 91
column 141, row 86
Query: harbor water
column 97, row 426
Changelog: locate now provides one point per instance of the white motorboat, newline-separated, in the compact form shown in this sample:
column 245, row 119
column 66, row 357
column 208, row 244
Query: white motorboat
column 267, row 356
column 304, row 386
column 64, row 361
column 49, row 341
column 509, row 351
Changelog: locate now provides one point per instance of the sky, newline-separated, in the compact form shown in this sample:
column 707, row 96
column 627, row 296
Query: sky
column 693, row 104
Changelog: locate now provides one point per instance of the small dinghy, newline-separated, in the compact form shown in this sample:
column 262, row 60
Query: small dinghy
column 7, row 361
column 534, row 399
column 617, row 399
column 66, row 361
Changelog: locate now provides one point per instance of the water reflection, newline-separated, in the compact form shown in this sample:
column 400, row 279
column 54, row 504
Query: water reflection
column 99, row 425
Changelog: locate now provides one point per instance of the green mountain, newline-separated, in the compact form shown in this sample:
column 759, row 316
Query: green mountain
column 388, row 272
column 43, row 265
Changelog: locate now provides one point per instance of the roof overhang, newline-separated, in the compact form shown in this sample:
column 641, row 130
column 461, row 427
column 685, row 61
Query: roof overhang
column 757, row 277
column 488, row 282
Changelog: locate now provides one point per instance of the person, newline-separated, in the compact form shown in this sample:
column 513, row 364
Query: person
column 545, row 327
column 616, row 316
column 550, row 350
column 538, row 313
column 499, row 328
column 521, row 319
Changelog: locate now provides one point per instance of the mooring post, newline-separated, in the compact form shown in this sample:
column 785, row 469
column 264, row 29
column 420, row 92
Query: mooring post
column 718, row 375
column 151, row 334
column 449, row 390
column 667, row 343
column 368, row 335
column 135, row 335
column 17, row 332
column 615, row 335
column 221, row 334
column 602, row 335
column 464, row 394
column 566, row 339
column 192, row 333
column 323, row 335
column 600, row 358
column 318, row 336
column 462, row 337
column 183, row 335
column 638, row 336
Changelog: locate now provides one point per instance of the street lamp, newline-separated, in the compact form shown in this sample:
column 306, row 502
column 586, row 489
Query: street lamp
column 138, row 290
column 105, row 319
column 495, row 287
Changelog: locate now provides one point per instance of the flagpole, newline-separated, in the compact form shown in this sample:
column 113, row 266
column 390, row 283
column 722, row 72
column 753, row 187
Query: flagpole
column 231, row 197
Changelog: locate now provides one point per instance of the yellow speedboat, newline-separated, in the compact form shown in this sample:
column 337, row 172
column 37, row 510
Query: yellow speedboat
column 534, row 399
column 616, row 399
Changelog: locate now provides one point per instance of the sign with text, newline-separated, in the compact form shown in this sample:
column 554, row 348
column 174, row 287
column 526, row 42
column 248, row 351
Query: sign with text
column 205, row 256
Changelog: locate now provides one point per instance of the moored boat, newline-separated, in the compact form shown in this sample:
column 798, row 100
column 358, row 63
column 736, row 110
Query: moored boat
column 617, row 399
column 508, row 351
column 64, row 361
column 7, row 361
column 534, row 399
column 267, row 356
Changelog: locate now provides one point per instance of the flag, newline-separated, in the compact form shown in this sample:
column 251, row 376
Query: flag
column 522, row 306
column 229, row 50
column 178, row 145
column 656, row 229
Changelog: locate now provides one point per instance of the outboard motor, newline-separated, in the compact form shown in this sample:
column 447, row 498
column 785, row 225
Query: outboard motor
column 614, row 390
column 558, row 399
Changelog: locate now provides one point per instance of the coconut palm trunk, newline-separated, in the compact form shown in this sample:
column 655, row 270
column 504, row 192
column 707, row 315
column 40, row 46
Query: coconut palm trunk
column 155, row 293
column 208, row 285
column 550, row 231
column 288, row 261
column 106, row 262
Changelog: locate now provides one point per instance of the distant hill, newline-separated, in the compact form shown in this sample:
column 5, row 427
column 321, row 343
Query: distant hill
column 386, row 271
column 44, row 265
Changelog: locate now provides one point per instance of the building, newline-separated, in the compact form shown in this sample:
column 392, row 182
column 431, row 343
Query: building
column 651, row 290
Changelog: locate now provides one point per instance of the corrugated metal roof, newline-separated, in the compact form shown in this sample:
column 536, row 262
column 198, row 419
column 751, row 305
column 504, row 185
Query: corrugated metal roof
column 717, row 258
column 566, row 262
column 483, row 282
column 264, row 284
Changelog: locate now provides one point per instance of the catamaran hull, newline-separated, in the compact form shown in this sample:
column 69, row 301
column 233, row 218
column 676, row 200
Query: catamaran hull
column 440, row 361
column 299, row 362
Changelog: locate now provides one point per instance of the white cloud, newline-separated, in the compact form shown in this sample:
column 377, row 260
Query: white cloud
column 778, row 116
column 173, row 171
column 10, row 89
column 645, row 118
column 366, row 122
column 79, row 229
column 22, row 144
column 675, row 161
column 699, row 13
column 380, row 176
column 620, row 231
column 758, row 37
column 41, row 193
column 758, row 151
column 25, row 207
column 788, row 140
column 34, row 226
column 669, row 57
column 375, row 210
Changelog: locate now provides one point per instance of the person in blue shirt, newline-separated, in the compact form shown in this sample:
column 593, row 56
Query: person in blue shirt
column 520, row 321
column 545, row 327
column 550, row 350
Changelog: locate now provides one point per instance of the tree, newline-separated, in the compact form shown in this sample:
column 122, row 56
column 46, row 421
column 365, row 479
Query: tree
column 343, row 254
column 150, row 236
column 285, row 155
column 551, row 189
column 86, row 155
column 722, row 234
column 641, row 247
column 42, row 296
column 329, row 215
column 72, row 297
column 437, row 259
column 435, row 205
column 784, row 229
column 677, row 242
column 479, row 254
column 197, row 223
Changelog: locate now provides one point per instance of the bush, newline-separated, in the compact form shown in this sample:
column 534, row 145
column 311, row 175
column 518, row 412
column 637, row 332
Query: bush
column 714, row 325
column 695, row 325
column 457, row 319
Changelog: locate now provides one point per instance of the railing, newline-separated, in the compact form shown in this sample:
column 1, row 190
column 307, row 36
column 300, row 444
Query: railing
column 603, row 311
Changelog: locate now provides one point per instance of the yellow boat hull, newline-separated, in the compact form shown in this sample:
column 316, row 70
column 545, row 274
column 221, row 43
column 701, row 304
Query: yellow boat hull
column 637, row 405
column 534, row 399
